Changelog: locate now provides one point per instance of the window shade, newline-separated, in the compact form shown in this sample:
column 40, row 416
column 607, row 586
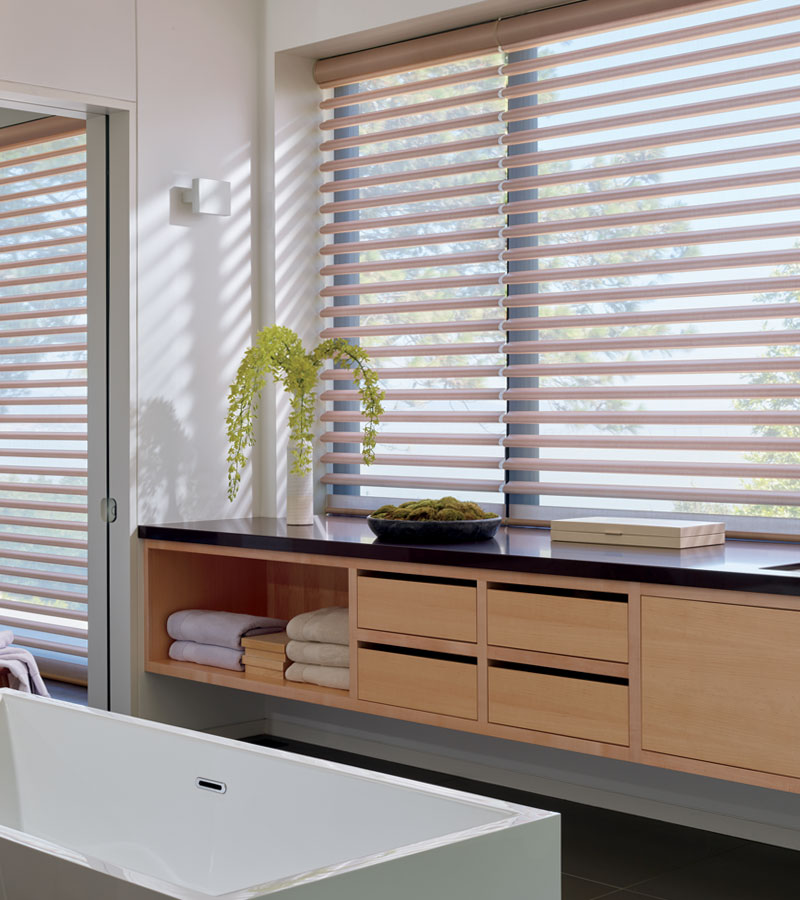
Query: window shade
column 576, row 265
column 43, row 392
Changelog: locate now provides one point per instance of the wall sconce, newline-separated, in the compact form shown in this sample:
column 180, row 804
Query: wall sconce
column 209, row 197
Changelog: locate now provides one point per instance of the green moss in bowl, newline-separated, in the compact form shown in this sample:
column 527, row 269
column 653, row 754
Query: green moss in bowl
column 448, row 509
column 433, row 521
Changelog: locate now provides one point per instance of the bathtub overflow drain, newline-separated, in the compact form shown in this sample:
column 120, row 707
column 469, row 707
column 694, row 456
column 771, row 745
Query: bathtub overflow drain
column 208, row 784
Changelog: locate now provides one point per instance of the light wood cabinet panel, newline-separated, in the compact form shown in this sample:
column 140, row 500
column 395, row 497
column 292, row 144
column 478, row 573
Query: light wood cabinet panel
column 425, row 608
column 594, row 710
column 710, row 689
column 570, row 626
column 418, row 682
column 721, row 683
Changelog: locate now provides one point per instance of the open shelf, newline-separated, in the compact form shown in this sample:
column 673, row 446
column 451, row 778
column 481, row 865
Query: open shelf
column 192, row 577
column 291, row 690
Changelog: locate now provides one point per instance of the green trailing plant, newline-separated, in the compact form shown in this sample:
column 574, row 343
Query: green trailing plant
column 279, row 353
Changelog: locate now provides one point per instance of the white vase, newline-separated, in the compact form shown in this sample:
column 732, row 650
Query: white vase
column 299, row 495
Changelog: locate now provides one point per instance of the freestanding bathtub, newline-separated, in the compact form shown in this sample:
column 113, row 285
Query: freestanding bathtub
column 97, row 806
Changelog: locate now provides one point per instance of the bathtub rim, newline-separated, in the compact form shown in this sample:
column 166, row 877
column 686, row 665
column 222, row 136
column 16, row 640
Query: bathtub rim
column 514, row 815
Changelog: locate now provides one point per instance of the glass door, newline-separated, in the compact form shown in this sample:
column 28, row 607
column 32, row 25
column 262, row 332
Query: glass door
column 45, row 403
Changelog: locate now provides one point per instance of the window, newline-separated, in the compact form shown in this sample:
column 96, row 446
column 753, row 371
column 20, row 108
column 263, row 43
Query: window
column 43, row 392
column 576, row 263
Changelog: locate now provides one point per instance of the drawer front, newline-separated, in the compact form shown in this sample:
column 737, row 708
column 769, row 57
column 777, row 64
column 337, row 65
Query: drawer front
column 570, row 626
column 719, row 683
column 593, row 710
column 418, row 682
column 417, row 607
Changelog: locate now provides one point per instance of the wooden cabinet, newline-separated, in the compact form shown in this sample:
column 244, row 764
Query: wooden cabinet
column 721, row 683
column 696, row 680
column 566, row 625
column 444, row 686
column 430, row 608
column 576, row 706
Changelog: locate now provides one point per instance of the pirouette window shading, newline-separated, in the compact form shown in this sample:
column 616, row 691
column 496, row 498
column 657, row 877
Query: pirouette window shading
column 43, row 414
column 575, row 260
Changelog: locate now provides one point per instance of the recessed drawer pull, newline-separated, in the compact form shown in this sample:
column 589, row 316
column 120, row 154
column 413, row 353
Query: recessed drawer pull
column 208, row 784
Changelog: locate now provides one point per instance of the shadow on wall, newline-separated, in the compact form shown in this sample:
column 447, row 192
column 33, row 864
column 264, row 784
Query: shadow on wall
column 180, row 213
column 168, row 466
column 297, row 241
column 195, row 321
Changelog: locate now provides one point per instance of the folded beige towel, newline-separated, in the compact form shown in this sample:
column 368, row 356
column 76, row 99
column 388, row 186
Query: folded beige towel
column 325, row 676
column 316, row 654
column 327, row 626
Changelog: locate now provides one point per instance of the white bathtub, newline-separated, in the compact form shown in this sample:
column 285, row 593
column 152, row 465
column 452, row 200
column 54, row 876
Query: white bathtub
column 96, row 806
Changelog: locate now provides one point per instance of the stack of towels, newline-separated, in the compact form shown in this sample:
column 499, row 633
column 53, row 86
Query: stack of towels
column 214, row 638
column 18, row 669
column 319, row 648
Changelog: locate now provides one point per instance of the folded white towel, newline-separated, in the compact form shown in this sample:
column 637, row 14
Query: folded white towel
column 19, row 669
column 326, row 626
column 325, row 676
column 317, row 654
column 218, row 628
column 207, row 655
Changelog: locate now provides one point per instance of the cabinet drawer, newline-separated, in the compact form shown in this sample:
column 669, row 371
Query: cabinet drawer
column 426, row 608
column 570, row 626
column 594, row 710
column 418, row 682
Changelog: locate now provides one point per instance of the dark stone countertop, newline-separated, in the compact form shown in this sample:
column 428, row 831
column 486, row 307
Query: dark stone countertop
column 734, row 565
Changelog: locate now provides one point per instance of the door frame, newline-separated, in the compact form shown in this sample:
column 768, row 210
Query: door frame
column 111, row 305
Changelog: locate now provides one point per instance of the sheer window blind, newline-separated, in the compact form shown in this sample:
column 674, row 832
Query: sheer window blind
column 43, row 392
column 576, row 262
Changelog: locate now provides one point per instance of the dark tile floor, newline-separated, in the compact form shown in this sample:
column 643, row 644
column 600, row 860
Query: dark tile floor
column 614, row 855
column 73, row 693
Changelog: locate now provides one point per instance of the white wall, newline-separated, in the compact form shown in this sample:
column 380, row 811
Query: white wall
column 198, row 115
column 80, row 46
column 317, row 28
column 291, row 240
column 197, row 102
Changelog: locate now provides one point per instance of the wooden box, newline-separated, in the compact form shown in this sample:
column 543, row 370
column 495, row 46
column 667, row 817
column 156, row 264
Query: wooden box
column 677, row 534
column 273, row 644
column 265, row 656
column 271, row 676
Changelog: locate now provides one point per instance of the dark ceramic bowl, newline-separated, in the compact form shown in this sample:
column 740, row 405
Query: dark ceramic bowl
column 457, row 532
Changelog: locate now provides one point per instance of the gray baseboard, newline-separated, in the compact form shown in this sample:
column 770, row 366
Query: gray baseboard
column 742, row 811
